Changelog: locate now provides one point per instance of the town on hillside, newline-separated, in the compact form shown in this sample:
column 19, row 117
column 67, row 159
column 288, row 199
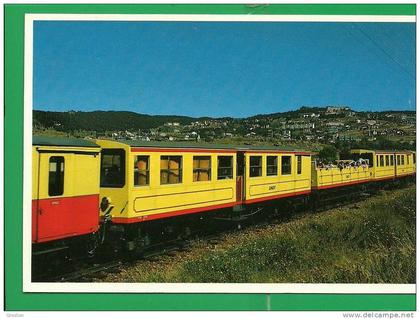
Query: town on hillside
column 308, row 125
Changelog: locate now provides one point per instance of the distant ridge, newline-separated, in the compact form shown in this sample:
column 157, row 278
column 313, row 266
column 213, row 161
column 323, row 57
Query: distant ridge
column 102, row 121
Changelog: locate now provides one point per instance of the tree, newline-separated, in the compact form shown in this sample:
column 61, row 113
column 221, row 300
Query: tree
column 328, row 154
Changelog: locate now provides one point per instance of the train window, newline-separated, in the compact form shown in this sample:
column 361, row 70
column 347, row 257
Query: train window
column 201, row 168
column 299, row 164
column 56, row 176
column 402, row 159
column 141, row 170
column 391, row 158
column 381, row 160
column 387, row 160
column 368, row 157
column 286, row 165
column 170, row 169
column 398, row 160
column 255, row 166
column 224, row 167
column 414, row 158
column 272, row 165
column 408, row 159
column 377, row 160
column 112, row 168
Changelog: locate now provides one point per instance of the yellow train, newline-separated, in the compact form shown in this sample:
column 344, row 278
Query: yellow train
column 129, row 191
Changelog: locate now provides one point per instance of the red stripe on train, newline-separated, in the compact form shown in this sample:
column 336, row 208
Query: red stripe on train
column 343, row 184
column 364, row 181
column 120, row 220
column 406, row 174
column 267, row 198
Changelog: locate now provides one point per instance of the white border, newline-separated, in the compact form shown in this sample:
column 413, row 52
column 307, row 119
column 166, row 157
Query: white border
column 223, row 288
column 222, row 17
column 28, row 286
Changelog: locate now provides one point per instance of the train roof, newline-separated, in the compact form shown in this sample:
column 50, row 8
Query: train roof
column 382, row 151
column 62, row 141
column 197, row 145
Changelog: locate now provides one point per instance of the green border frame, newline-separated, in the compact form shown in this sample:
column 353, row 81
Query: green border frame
column 16, row 300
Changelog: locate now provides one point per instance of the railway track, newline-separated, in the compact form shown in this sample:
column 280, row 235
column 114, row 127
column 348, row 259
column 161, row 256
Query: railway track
column 88, row 272
column 85, row 274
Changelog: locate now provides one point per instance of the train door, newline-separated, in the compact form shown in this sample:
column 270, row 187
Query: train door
column 53, row 216
column 240, row 177
column 68, row 195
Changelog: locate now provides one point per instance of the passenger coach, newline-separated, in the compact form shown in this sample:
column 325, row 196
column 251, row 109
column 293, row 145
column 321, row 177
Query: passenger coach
column 65, row 190
column 388, row 165
column 146, row 181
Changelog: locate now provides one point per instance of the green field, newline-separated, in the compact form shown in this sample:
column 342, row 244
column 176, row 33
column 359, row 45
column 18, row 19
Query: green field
column 369, row 242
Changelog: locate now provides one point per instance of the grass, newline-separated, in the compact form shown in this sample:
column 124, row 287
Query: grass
column 372, row 242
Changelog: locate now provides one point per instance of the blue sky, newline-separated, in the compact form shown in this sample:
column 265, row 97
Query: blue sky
column 222, row 69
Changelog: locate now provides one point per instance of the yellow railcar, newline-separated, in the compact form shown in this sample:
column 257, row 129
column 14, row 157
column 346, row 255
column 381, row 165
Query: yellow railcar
column 65, row 188
column 154, row 180
column 147, row 181
column 384, row 163
column 406, row 163
column 273, row 174
column 324, row 178
column 412, row 163
column 346, row 174
column 390, row 164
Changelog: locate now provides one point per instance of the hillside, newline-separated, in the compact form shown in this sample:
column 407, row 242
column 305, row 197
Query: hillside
column 308, row 125
column 103, row 120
